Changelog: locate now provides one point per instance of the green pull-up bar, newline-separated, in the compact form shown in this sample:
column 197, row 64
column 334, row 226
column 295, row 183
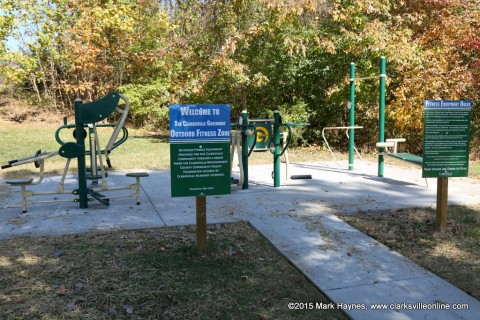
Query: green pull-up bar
column 381, row 110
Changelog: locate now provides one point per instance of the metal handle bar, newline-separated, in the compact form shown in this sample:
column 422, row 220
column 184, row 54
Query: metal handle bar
column 248, row 126
column 36, row 158
column 262, row 120
column 254, row 138
column 123, row 138
column 120, row 124
column 289, row 138
column 346, row 132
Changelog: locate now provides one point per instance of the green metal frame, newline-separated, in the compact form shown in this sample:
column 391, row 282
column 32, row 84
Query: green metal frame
column 276, row 145
column 96, row 111
column 351, row 139
column 277, row 151
column 89, row 113
column 245, row 152
column 381, row 113
column 117, row 143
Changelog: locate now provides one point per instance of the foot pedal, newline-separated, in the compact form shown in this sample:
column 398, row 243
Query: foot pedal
column 301, row 176
column 99, row 197
column 93, row 177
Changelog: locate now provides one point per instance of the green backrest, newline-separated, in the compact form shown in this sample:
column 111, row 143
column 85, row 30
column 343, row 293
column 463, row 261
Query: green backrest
column 98, row 110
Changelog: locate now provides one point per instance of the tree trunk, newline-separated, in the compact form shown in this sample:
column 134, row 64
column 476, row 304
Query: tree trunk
column 33, row 80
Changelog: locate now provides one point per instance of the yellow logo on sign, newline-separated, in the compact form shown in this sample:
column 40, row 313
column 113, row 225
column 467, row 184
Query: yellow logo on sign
column 262, row 134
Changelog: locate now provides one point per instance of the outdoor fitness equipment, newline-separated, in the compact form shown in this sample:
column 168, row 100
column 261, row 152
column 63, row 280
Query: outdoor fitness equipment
column 381, row 102
column 407, row 157
column 86, row 116
column 257, row 129
column 350, row 129
column 382, row 144
column 347, row 128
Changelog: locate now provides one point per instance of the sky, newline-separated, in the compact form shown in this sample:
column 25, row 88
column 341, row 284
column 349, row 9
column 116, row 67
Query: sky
column 12, row 44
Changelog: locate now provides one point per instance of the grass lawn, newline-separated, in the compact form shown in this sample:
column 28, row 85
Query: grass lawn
column 142, row 150
column 152, row 274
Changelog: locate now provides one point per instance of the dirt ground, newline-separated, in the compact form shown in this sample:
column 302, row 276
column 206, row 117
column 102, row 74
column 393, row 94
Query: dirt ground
column 19, row 110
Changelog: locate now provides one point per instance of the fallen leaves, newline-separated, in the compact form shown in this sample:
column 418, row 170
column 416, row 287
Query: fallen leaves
column 234, row 252
column 147, row 274
column 57, row 253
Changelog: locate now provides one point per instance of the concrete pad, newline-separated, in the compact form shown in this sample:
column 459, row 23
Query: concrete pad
column 340, row 255
column 430, row 293
column 57, row 218
column 354, row 269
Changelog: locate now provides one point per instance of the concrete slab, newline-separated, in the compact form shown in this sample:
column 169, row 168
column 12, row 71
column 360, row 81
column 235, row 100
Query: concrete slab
column 297, row 218
column 360, row 273
column 57, row 218
column 411, row 299
column 340, row 255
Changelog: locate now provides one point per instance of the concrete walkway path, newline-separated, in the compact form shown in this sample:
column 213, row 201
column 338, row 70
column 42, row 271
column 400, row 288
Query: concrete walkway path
column 351, row 268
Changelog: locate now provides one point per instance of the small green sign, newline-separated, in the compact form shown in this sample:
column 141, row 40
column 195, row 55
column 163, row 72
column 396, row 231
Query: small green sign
column 200, row 150
column 446, row 140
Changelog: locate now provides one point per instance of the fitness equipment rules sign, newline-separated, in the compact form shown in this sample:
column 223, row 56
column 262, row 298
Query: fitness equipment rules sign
column 446, row 138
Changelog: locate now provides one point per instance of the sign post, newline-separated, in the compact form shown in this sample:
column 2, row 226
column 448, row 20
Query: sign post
column 446, row 147
column 442, row 204
column 200, row 156
column 201, row 217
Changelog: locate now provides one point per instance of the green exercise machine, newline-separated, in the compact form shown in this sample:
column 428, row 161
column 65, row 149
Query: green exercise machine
column 87, row 118
column 268, row 134
column 385, row 147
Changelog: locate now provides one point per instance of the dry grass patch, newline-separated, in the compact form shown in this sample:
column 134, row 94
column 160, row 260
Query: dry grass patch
column 453, row 255
column 152, row 274
column 19, row 110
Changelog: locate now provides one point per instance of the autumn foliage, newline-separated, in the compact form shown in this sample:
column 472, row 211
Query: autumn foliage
column 259, row 55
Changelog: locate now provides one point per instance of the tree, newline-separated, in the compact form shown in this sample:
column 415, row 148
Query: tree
column 258, row 55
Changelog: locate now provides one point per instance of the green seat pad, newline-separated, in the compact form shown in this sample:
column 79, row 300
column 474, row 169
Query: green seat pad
column 19, row 182
column 407, row 157
column 71, row 150
column 137, row 174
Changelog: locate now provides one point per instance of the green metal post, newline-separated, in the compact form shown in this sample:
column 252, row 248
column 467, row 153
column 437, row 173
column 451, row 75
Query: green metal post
column 276, row 144
column 245, row 149
column 82, row 175
column 381, row 113
column 351, row 140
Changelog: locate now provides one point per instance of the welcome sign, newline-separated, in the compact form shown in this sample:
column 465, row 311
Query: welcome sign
column 200, row 149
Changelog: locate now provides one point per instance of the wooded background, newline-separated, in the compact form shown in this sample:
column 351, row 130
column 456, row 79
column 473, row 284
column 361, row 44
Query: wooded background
column 260, row 55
